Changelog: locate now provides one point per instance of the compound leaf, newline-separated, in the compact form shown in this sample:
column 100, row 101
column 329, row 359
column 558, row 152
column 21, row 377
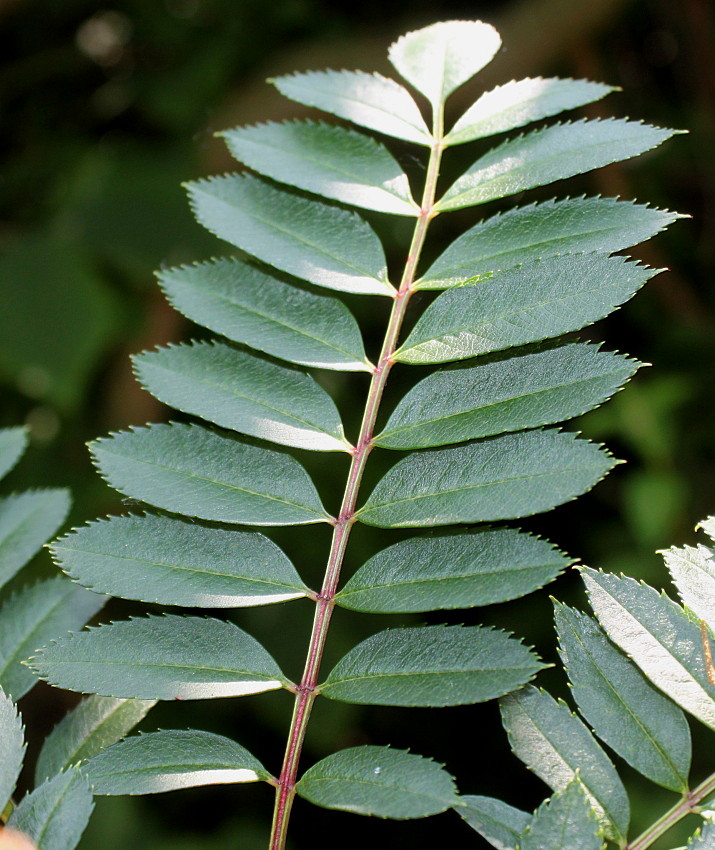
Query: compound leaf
column 704, row 838
column 431, row 666
column 168, row 657
column 171, row 759
column 379, row 781
column 164, row 560
column 565, row 822
column 13, row 442
column 537, row 301
column 552, row 153
column 322, row 244
column 520, row 102
column 558, row 747
column 326, row 160
column 498, row 823
column 190, row 470
column 243, row 392
column 633, row 718
column 249, row 306
column 453, row 571
column 693, row 572
column 506, row 394
column 500, row 478
column 27, row 520
column 13, row 747
column 94, row 724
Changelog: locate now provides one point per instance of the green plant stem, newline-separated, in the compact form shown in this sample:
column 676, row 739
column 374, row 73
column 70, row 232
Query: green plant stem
column 307, row 690
column 686, row 806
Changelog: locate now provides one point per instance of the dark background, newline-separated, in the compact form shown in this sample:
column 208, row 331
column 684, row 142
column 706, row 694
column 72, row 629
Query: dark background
column 107, row 109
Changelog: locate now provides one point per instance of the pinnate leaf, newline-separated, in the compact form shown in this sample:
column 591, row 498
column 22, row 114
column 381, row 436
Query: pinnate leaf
column 190, row 470
column 520, row 102
column 93, row 724
column 558, row 747
column 439, row 58
column 171, row 759
column 566, row 822
column 55, row 815
column 327, row 160
column 500, row 478
column 498, row 823
column 34, row 616
column 379, row 781
column 243, row 392
column 27, row 520
column 704, row 838
column 249, row 306
column 505, row 394
column 169, row 657
column 431, row 666
column 538, row 231
column 13, row 442
column 369, row 100
column 536, row 301
column 453, row 571
column 322, row 244
column 624, row 710
column 693, row 572
column 164, row 560
column 13, row 747
column 552, row 153
column 658, row 635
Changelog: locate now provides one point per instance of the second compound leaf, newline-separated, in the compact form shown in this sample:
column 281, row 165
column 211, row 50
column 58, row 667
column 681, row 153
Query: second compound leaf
column 565, row 822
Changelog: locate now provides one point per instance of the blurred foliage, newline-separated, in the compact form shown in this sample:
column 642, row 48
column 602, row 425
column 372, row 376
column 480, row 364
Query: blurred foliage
column 108, row 108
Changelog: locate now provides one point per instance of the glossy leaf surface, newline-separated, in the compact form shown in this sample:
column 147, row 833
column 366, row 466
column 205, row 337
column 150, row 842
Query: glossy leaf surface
column 508, row 394
column 193, row 471
column 431, row 666
column 566, row 822
column 249, row 306
column 498, row 823
column 693, row 572
column 327, row 160
column 502, row 478
column 623, row 709
column 167, row 657
column 27, row 520
column 454, row 571
column 538, row 231
column 171, row 759
column 93, row 724
column 243, row 392
column 379, row 781
column 13, row 442
column 552, row 153
column 163, row 560
column 533, row 302
column 13, row 747
column 323, row 244
column 369, row 100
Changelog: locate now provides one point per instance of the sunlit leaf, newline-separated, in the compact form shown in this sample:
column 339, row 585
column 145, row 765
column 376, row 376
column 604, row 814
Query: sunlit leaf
column 693, row 572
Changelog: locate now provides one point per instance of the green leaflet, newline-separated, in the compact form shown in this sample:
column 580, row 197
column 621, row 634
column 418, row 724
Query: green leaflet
column 171, row 759
column 453, row 571
column 27, row 520
column 558, row 747
column 94, row 724
column 55, row 815
column 704, row 839
column 520, row 102
column 693, row 572
column 168, row 657
column 13, row 442
column 566, row 822
column 323, row 244
column 33, row 616
column 498, row 823
column 379, row 781
column 538, row 231
column 13, row 748
column 505, row 394
column 163, row 560
column 537, row 301
column 243, row 392
column 500, row 478
column 196, row 472
column 326, row 160
column 624, row 710
column 438, row 59
column 658, row 635
column 549, row 154
column 369, row 100
column 249, row 306
column 431, row 666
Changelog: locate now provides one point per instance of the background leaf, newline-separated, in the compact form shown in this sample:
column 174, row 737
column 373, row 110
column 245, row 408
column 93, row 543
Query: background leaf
column 13, row 748
column 693, row 572
column 13, row 442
